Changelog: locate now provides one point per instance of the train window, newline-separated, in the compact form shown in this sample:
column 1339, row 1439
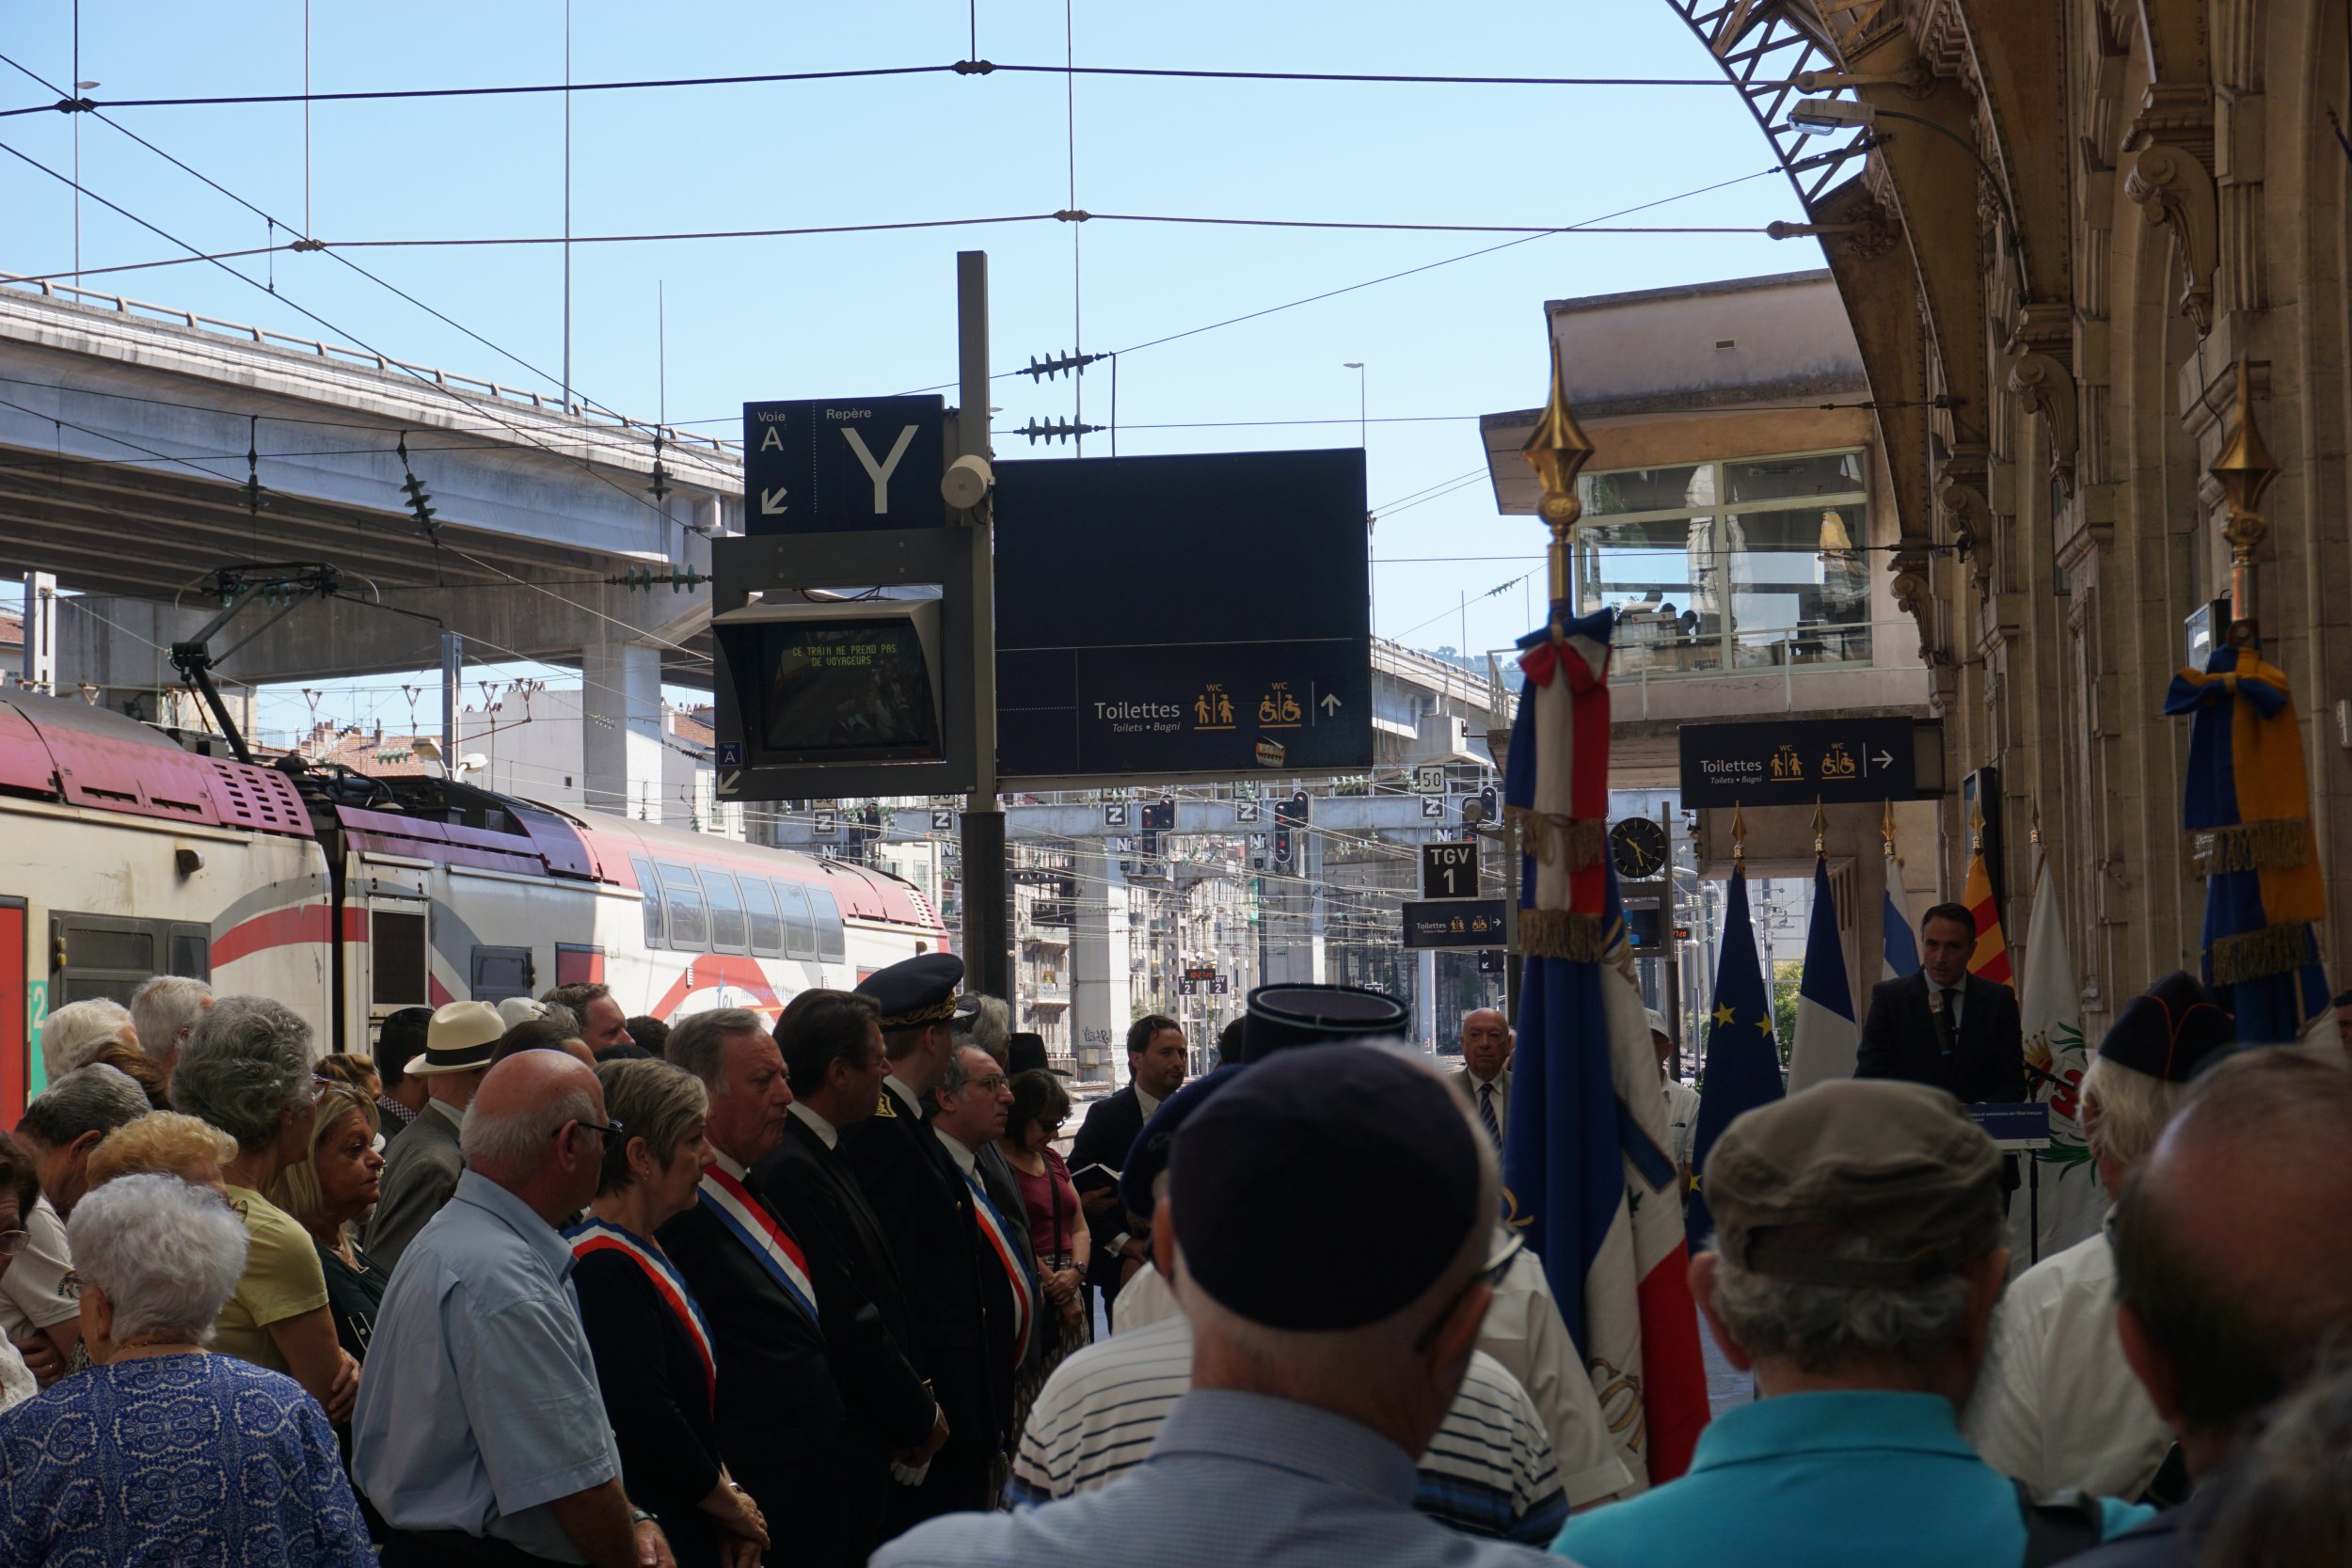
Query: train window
column 830, row 943
column 100, row 956
column 192, row 952
column 799, row 931
column 759, row 905
column 500, row 972
column 651, row 887
column 685, row 897
column 726, row 910
column 396, row 958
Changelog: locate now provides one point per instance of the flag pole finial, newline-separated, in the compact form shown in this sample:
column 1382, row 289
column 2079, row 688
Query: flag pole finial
column 1821, row 830
column 1887, row 826
column 2245, row 470
column 1557, row 449
column 1739, row 836
column 1975, row 825
column 2033, row 834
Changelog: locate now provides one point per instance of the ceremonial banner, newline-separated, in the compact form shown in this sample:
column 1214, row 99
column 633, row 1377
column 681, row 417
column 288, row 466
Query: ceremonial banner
column 1899, row 946
column 2249, row 833
column 2050, row 1003
column 1590, row 1183
column 1827, row 1038
column 1742, row 1066
column 1991, row 958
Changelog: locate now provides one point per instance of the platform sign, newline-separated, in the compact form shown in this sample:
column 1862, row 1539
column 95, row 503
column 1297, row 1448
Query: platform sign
column 1793, row 762
column 840, row 464
column 1490, row 961
column 1449, row 870
column 1465, row 923
column 1186, row 616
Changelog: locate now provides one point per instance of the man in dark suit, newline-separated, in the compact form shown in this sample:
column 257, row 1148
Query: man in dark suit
column 927, row 1211
column 1944, row 1025
column 782, row 1420
column 1484, row 1078
column 832, row 1054
column 1155, row 1069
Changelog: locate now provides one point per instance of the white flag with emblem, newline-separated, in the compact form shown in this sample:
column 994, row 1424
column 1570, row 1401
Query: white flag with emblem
column 2049, row 1004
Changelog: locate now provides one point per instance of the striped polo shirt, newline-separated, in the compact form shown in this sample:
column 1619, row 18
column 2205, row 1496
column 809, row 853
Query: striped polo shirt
column 1489, row 1471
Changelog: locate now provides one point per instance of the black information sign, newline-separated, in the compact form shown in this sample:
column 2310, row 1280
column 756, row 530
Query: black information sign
column 844, row 464
column 1491, row 962
column 845, row 689
column 1449, row 870
column 1183, row 616
column 1792, row 761
column 1456, row 923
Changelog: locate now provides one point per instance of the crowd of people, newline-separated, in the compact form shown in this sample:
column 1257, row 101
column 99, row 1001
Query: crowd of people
column 541, row 1283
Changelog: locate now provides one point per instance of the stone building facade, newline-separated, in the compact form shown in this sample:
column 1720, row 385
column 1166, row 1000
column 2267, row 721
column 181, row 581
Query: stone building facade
column 2069, row 229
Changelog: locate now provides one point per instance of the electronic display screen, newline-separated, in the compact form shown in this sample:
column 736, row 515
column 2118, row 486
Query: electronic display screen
column 851, row 688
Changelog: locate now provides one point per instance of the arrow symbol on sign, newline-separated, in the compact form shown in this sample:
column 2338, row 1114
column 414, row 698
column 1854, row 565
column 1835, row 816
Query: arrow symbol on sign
column 1884, row 759
column 1330, row 706
column 728, row 783
column 771, row 501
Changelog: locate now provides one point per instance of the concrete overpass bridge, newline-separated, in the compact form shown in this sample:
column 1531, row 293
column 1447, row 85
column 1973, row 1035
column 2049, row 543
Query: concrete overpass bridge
column 143, row 447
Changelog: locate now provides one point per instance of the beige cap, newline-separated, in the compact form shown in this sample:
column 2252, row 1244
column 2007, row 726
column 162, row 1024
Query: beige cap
column 1791, row 1184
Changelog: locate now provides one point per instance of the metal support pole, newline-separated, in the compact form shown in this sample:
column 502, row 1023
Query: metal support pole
column 40, row 669
column 452, row 668
column 1672, row 989
column 987, row 918
column 1512, row 877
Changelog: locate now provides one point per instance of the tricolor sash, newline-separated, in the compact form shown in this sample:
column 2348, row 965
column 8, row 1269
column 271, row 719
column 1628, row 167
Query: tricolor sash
column 999, row 1240
column 748, row 1221
column 597, row 1235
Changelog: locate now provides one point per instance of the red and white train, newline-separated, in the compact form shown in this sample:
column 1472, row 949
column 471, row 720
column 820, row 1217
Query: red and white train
column 125, row 853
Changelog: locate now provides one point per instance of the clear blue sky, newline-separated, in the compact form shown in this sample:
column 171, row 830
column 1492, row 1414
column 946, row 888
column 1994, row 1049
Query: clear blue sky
column 864, row 314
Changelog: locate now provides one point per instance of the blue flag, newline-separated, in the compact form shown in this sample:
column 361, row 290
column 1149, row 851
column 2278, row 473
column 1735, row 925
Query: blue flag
column 1827, row 1040
column 1743, row 1060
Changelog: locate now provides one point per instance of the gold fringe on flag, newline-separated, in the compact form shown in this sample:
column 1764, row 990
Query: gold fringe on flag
column 1548, row 836
column 2271, row 844
column 1563, row 934
column 2256, row 955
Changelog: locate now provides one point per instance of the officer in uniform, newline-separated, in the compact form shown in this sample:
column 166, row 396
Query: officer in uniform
column 926, row 1211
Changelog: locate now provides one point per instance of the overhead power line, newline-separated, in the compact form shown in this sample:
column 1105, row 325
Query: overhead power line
column 957, row 68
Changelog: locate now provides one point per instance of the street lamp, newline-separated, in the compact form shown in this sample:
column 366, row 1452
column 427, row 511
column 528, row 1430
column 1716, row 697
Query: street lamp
column 1820, row 117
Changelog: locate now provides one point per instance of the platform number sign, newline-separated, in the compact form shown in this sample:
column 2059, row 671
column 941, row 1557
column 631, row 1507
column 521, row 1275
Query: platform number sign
column 1449, row 870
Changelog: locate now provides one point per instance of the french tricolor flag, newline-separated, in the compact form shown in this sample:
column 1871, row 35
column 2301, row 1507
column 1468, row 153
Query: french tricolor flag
column 1589, row 1181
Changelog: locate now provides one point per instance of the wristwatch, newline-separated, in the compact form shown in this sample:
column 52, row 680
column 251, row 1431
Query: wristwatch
column 641, row 1516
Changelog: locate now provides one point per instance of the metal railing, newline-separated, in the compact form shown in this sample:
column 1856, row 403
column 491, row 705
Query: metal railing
column 356, row 358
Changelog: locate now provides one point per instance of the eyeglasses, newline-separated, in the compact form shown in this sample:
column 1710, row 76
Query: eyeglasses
column 987, row 1083
column 12, row 1241
column 611, row 1128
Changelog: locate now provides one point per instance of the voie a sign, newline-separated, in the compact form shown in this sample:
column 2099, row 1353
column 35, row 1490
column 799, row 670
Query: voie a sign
column 825, row 466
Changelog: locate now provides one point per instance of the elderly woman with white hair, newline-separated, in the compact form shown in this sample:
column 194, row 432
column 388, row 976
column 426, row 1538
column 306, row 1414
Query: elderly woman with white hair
column 70, row 1036
column 161, row 1452
column 247, row 1071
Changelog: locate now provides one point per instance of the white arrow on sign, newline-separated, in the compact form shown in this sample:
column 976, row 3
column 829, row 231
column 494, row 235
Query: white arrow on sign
column 1330, row 706
column 771, row 501
column 729, row 782
column 1885, row 759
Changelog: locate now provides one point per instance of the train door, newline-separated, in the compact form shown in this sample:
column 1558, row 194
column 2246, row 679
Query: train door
column 390, row 967
column 23, row 1002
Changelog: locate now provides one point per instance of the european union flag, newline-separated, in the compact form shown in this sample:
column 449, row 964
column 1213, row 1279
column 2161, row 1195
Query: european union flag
column 1743, row 1060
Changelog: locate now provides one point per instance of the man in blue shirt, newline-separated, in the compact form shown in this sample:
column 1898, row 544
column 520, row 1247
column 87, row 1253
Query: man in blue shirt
column 480, row 1434
column 1318, row 1371
column 1856, row 1265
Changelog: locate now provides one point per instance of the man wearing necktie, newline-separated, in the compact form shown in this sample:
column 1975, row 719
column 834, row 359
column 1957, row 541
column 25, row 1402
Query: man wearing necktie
column 1484, row 1078
column 1944, row 1026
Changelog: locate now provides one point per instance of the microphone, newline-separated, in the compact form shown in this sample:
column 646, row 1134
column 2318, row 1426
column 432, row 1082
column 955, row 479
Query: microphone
column 1935, row 1006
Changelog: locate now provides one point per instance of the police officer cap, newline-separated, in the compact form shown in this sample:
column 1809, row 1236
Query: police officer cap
column 1856, row 1181
column 1367, row 1151
column 915, row 992
column 1283, row 1016
column 1149, row 1156
column 2169, row 1031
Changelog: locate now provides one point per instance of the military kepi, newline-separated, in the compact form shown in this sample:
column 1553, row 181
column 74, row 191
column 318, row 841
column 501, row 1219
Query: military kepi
column 915, row 992
column 2169, row 1031
column 1284, row 1015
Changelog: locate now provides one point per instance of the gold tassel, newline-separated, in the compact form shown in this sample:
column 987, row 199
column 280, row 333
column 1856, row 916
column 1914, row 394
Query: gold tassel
column 2271, row 844
column 1563, row 934
column 2256, row 955
column 1549, row 837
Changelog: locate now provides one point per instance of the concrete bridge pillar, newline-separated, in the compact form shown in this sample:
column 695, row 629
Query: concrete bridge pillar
column 621, row 735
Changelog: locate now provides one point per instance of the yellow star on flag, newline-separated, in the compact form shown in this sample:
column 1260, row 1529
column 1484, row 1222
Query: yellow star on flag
column 1723, row 1014
column 1764, row 1025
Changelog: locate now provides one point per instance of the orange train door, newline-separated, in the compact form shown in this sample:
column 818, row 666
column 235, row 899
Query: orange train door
column 17, row 1006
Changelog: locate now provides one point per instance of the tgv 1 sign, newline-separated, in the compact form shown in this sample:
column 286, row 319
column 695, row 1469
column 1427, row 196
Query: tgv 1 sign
column 842, row 464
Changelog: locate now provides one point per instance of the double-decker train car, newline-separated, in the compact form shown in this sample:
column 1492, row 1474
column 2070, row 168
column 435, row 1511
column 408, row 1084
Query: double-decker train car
column 124, row 854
